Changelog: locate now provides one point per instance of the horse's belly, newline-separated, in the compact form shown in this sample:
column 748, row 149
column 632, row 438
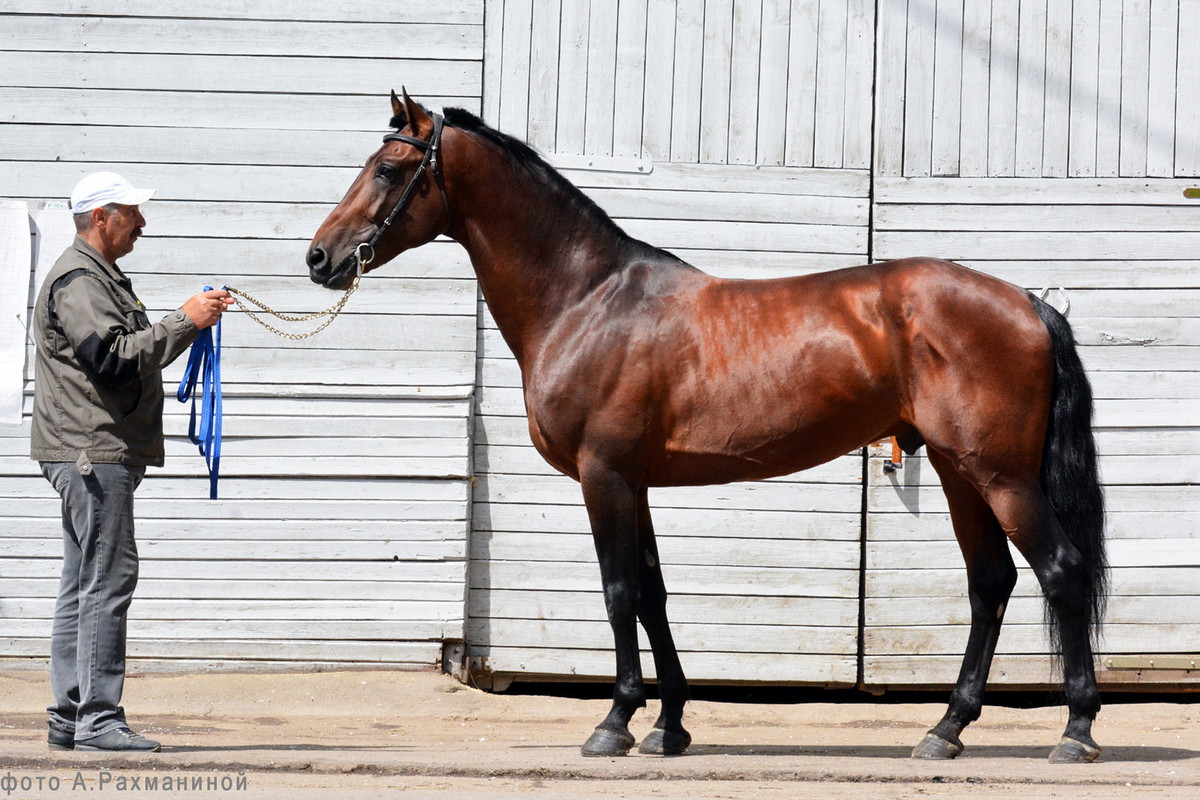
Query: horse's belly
column 702, row 460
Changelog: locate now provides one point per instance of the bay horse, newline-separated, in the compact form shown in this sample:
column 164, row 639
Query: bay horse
column 640, row 370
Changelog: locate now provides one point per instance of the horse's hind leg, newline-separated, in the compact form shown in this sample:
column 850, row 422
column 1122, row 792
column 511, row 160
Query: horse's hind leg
column 1060, row 570
column 668, row 736
column 991, row 576
column 1030, row 523
column 612, row 508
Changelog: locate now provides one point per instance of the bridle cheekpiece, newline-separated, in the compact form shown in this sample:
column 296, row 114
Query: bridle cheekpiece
column 431, row 162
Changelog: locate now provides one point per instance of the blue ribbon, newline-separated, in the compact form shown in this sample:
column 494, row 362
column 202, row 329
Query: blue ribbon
column 204, row 366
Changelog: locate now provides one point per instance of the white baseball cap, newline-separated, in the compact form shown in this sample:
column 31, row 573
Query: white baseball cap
column 101, row 188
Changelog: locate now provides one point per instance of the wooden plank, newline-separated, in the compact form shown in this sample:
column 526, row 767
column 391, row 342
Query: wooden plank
column 715, row 667
column 1187, row 103
column 267, row 592
column 732, row 610
column 659, row 81
column 689, row 68
column 1008, row 671
column 1108, row 110
column 1056, row 142
column 345, row 531
column 829, row 134
column 184, row 110
column 625, row 204
column 543, row 77
column 493, row 58
column 715, row 82
column 747, row 66
column 1085, row 88
column 1162, row 89
column 242, row 37
column 735, row 179
column 1121, row 611
column 1023, row 191
column 208, row 146
column 173, row 569
column 629, row 109
column 925, row 583
column 784, row 527
column 771, row 135
column 298, row 75
column 600, row 105
column 262, row 551
column 976, row 69
column 860, row 75
column 949, row 640
column 713, row 551
column 919, row 95
column 367, row 491
column 1031, row 88
column 1002, row 90
column 524, row 460
column 362, row 11
column 705, row 640
column 1123, row 553
column 573, row 66
column 202, row 656
column 515, row 74
column 802, row 81
column 680, row 579
column 947, row 76
column 1023, row 218
column 969, row 246
column 1118, row 499
column 1135, row 84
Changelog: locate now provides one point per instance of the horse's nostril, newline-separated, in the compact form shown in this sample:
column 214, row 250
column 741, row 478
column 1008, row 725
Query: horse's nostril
column 316, row 257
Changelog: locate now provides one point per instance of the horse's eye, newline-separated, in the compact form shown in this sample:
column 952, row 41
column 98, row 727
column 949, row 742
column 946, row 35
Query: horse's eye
column 384, row 172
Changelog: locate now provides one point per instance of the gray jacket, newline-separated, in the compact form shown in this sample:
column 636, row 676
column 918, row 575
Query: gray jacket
column 98, row 392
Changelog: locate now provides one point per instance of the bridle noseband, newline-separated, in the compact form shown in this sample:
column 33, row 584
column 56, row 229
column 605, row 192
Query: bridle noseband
column 431, row 162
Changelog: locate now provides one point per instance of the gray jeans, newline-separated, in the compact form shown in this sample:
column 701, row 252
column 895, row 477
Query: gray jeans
column 100, row 571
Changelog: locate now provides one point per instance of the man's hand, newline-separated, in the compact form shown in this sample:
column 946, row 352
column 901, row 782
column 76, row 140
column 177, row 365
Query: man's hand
column 205, row 308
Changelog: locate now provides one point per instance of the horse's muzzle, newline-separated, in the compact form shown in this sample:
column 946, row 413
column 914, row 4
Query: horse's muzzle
column 321, row 270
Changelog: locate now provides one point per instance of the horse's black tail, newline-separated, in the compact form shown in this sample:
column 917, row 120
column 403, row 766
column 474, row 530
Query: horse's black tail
column 1070, row 475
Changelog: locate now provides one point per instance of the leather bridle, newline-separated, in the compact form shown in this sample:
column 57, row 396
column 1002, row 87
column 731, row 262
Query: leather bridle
column 430, row 162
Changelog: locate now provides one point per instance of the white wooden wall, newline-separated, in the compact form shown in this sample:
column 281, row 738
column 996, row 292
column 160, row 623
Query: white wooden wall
column 1041, row 142
column 1046, row 142
column 341, row 532
column 706, row 128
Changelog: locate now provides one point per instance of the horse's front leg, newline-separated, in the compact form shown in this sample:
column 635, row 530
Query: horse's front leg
column 669, row 736
column 612, row 508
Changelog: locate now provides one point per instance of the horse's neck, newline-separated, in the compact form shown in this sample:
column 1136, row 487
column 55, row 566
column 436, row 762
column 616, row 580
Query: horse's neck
column 534, row 261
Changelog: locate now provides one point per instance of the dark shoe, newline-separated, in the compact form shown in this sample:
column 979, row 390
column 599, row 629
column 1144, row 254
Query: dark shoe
column 60, row 740
column 119, row 739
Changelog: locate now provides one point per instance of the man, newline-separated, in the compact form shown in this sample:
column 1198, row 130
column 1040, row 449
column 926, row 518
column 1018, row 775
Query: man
column 97, row 425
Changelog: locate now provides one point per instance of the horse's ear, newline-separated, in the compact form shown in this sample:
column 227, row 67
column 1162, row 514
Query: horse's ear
column 418, row 119
column 399, row 117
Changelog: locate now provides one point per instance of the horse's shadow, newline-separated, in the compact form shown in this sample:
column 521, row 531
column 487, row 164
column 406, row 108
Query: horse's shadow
column 1110, row 754
column 287, row 748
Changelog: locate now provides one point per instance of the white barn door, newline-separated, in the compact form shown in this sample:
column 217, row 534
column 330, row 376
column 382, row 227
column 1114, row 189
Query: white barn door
column 737, row 135
column 1050, row 144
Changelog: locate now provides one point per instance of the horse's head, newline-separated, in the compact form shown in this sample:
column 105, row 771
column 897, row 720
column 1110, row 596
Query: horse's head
column 397, row 202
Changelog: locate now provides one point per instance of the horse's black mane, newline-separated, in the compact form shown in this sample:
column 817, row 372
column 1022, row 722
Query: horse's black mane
column 522, row 156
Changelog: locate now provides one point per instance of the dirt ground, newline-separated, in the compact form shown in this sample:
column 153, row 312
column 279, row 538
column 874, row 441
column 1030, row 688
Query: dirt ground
column 422, row 735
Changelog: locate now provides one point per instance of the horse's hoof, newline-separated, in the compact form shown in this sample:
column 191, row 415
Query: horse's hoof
column 1073, row 751
column 604, row 742
column 665, row 743
column 935, row 747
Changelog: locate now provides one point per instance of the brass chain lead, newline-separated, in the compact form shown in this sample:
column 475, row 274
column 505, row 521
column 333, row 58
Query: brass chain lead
column 331, row 312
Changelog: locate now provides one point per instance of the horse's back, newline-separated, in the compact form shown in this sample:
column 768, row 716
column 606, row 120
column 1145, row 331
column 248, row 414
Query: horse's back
column 710, row 380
